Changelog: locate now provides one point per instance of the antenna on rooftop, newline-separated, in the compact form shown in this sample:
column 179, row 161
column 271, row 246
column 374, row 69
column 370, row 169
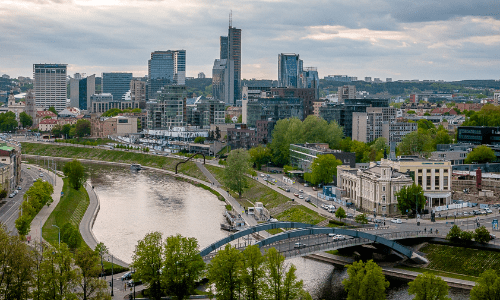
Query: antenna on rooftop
column 231, row 18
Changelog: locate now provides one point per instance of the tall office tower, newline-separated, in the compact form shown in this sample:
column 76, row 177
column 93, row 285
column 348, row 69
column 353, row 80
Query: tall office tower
column 164, row 68
column 117, row 84
column 80, row 91
column 346, row 92
column 311, row 80
column 222, row 80
column 50, row 85
column 234, row 54
column 224, row 47
column 289, row 70
column 30, row 105
column 138, row 90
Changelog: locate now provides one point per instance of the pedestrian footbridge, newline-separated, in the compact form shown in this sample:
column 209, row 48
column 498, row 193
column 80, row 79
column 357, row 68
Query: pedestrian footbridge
column 315, row 239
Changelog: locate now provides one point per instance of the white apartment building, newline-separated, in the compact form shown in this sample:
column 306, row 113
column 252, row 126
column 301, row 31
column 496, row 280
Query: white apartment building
column 49, row 83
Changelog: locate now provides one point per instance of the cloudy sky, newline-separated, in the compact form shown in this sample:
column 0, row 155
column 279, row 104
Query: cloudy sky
column 418, row 39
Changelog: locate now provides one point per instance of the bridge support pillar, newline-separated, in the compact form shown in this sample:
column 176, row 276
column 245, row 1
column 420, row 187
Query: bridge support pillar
column 419, row 259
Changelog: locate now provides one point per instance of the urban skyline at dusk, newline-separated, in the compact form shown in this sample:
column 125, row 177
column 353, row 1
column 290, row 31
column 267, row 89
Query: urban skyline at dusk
column 397, row 39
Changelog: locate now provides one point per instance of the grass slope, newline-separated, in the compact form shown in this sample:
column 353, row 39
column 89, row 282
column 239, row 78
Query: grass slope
column 128, row 157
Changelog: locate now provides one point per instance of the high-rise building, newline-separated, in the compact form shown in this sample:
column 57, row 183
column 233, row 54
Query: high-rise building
column 81, row 90
column 224, row 47
column 306, row 95
column 50, row 85
column 138, row 90
column 117, row 84
column 275, row 109
column 222, row 81
column 169, row 110
column 230, row 54
column 289, row 70
column 346, row 92
column 234, row 53
column 201, row 75
column 311, row 80
column 165, row 67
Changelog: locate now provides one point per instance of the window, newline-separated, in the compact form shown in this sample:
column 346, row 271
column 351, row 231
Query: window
column 383, row 189
column 383, row 198
column 445, row 182
column 436, row 182
column 420, row 180
column 428, row 181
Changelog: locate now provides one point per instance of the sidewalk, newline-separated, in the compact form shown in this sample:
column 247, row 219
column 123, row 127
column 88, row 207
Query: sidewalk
column 43, row 215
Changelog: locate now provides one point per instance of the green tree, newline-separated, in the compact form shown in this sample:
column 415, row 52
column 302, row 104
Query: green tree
column 416, row 143
column 282, row 283
column 238, row 165
column 425, row 125
column 82, row 128
column 65, row 131
column 480, row 155
column 183, row 266
column 466, row 236
column 53, row 109
column 101, row 250
column 91, row 287
column 70, row 235
column 260, row 155
column 253, row 272
column 487, row 287
column 361, row 219
column 482, row 235
column 23, row 224
column 340, row 213
column 454, row 234
column 75, row 172
column 199, row 140
column 57, row 130
column 428, row 287
column 240, row 119
column 410, row 198
column 365, row 282
column 112, row 112
column 8, row 122
column 148, row 262
column 25, row 119
column 225, row 272
column 324, row 168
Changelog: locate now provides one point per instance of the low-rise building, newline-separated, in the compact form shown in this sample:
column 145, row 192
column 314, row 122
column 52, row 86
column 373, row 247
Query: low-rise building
column 11, row 156
column 47, row 125
column 45, row 114
column 302, row 155
column 119, row 125
column 241, row 137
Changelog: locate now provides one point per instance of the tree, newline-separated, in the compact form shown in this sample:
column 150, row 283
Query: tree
column 112, row 112
column 25, row 119
column 240, row 119
column 75, row 172
column 65, row 131
column 224, row 272
column 416, row 143
column 101, row 250
column 253, row 272
column 454, row 234
column 260, row 155
column 361, row 219
column 466, row 236
column 340, row 213
column 53, row 109
column 217, row 133
column 199, row 140
column 366, row 281
column 425, row 125
column 480, row 155
column 238, row 164
column 324, row 168
column 482, row 235
column 82, row 128
column 8, row 122
column 57, row 130
column 282, row 283
column 148, row 263
column 487, row 287
column 410, row 198
column 90, row 285
column 183, row 266
column 428, row 287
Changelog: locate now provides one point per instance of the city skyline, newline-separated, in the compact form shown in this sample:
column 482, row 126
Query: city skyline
column 397, row 39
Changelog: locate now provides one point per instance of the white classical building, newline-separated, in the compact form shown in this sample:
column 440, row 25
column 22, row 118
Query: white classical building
column 372, row 189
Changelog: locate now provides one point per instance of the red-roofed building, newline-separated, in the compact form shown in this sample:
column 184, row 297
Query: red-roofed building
column 469, row 106
column 442, row 111
column 47, row 124
column 40, row 115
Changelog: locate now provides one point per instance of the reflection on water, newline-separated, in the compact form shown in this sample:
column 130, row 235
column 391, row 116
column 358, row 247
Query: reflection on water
column 133, row 204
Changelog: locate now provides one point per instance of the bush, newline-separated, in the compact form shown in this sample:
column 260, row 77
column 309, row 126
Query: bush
column 70, row 235
column 466, row 236
column 222, row 162
column 3, row 194
column 336, row 222
column 361, row 219
column 454, row 234
column 482, row 235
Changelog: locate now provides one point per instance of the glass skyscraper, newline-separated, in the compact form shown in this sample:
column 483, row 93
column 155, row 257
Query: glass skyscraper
column 117, row 84
column 164, row 68
column 289, row 70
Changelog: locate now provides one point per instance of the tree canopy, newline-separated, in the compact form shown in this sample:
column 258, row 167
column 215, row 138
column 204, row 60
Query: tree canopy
column 365, row 282
column 410, row 198
column 323, row 169
column 82, row 128
column 487, row 286
column 25, row 119
column 489, row 115
column 260, row 155
column 428, row 287
column 75, row 172
column 238, row 165
column 480, row 155
column 8, row 122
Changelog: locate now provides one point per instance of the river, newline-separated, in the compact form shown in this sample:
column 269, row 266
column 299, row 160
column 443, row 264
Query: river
column 135, row 203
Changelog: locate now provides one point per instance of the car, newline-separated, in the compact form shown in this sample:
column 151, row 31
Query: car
column 299, row 245
column 489, row 211
column 287, row 190
column 349, row 215
column 466, row 213
column 301, row 191
column 492, row 237
column 261, row 175
column 41, row 174
column 127, row 276
column 296, row 194
column 16, row 192
column 396, row 221
column 306, row 185
column 301, row 197
column 12, row 195
column 308, row 199
column 475, row 212
column 314, row 188
column 483, row 212
column 338, row 237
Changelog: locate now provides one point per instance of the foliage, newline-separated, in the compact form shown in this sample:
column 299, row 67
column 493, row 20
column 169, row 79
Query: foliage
column 361, row 219
column 487, row 287
column 293, row 131
column 199, row 140
column 75, row 172
column 238, row 165
column 53, row 109
column 148, row 262
column 260, row 155
column 454, row 234
column 489, row 115
column 323, row 169
column 428, row 287
column 70, row 236
column 25, row 119
column 340, row 213
column 425, row 125
column 224, row 272
column 466, row 236
column 253, row 272
column 88, row 261
column 480, row 155
column 82, row 128
column 410, row 198
column 282, row 284
column 366, row 281
column 416, row 143
column 37, row 196
column 482, row 235
column 8, row 122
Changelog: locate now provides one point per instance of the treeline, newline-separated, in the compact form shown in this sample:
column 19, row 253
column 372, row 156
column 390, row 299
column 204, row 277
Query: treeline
column 80, row 129
column 35, row 198
column 116, row 111
column 489, row 115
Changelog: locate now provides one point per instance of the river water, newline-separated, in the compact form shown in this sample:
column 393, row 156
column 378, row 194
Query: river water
column 135, row 203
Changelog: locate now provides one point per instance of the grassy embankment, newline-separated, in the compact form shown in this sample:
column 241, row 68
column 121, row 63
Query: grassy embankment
column 70, row 209
column 258, row 192
column 128, row 157
column 458, row 262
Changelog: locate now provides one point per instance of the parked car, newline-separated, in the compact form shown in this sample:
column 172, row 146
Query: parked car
column 12, row 195
column 301, row 191
column 296, row 194
column 466, row 213
column 308, row 199
column 475, row 212
column 397, row 221
column 306, row 184
column 350, row 215
column 314, row 188
column 19, row 188
column 299, row 245
column 301, row 197
column 489, row 211
column 287, row 190
column 41, row 174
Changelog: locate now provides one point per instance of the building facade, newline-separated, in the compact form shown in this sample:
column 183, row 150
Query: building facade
column 11, row 156
column 223, row 81
column 119, row 125
column 241, row 137
column 302, row 155
column 346, row 92
column 164, row 68
column 169, row 110
column 80, row 92
column 275, row 109
column 49, row 83
column 138, row 91
column 206, row 112
column 116, row 84
column 478, row 135
column 307, row 95
column 289, row 70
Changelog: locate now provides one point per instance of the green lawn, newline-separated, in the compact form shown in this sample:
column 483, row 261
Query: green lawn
column 128, row 157
column 299, row 213
column 440, row 273
column 70, row 208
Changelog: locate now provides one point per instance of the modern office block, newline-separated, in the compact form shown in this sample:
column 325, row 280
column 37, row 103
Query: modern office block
column 117, row 84
column 164, row 68
column 222, row 81
column 169, row 110
column 224, row 47
column 289, row 70
column 50, row 85
column 80, row 92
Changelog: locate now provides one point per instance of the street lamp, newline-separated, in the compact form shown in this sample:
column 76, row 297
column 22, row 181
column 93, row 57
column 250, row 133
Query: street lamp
column 59, row 230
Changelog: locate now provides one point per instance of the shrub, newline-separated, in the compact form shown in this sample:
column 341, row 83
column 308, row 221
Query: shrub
column 336, row 222
column 3, row 193
column 482, row 235
column 466, row 236
column 454, row 234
